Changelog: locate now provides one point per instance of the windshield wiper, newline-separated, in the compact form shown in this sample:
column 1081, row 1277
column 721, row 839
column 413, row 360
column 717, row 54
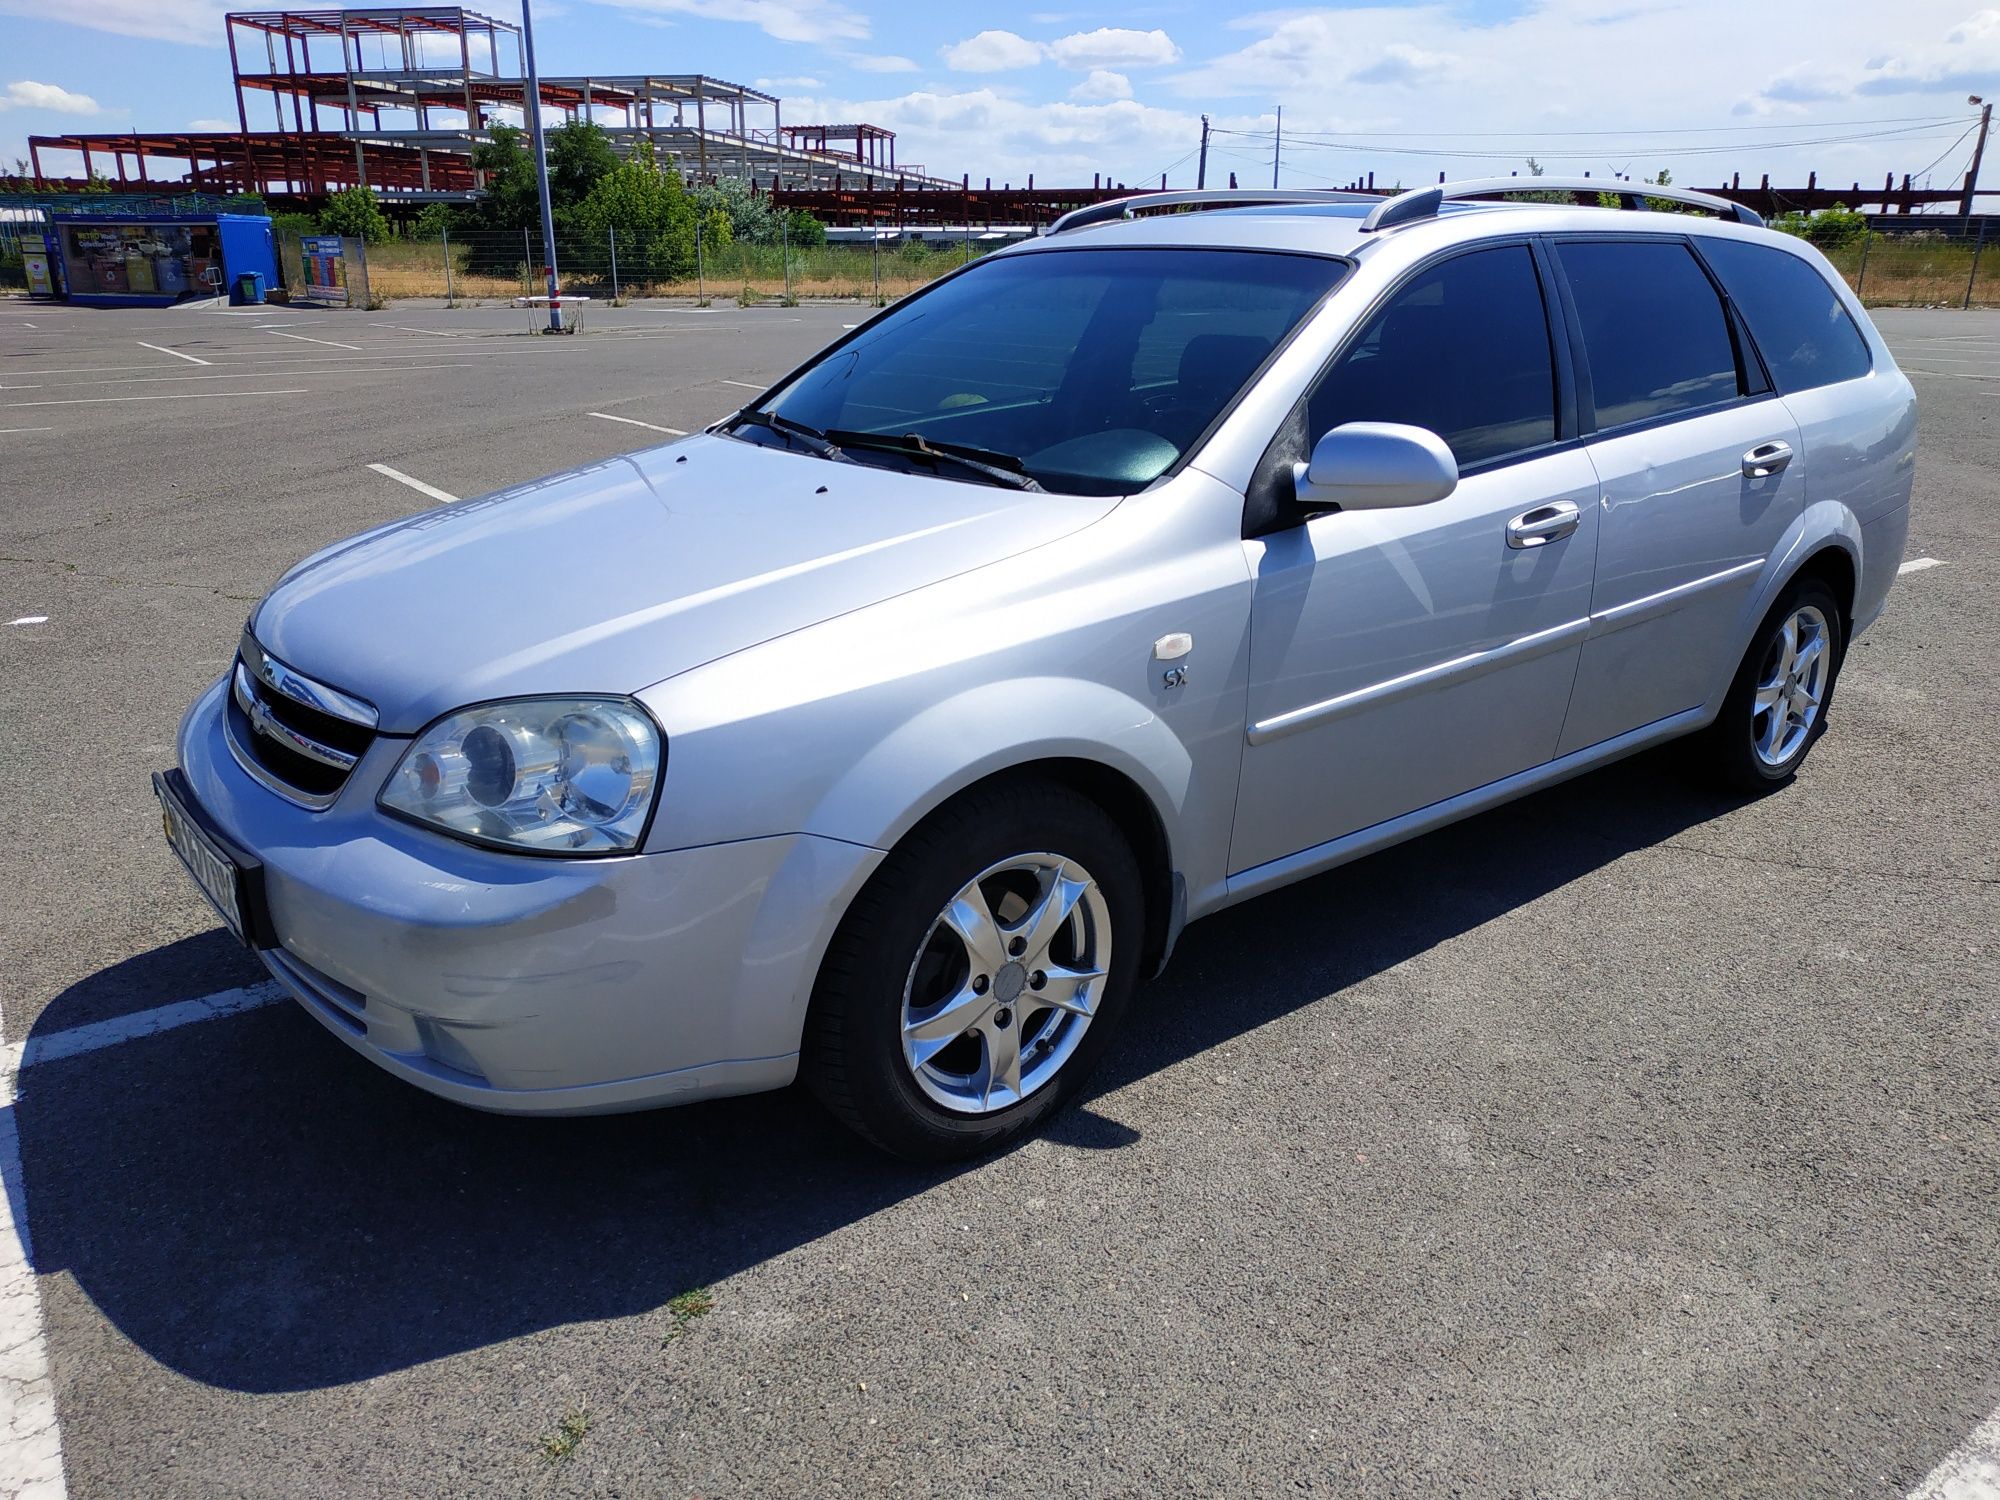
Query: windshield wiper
column 1001, row 468
column 809, row 438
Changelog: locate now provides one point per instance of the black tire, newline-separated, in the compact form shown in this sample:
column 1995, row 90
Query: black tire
column 853, row 1047
column 1729, row 750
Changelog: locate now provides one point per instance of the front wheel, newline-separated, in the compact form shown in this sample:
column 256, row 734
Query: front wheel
column 1776, row 708
column 977, row 977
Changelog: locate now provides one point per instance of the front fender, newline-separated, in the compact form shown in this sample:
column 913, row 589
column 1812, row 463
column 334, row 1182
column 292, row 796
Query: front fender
column 925, row 761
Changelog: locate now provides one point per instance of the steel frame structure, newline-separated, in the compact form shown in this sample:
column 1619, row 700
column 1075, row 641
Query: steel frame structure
column 397, row 98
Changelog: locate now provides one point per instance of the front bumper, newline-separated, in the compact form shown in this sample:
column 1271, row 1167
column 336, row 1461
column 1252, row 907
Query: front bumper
column 526, row 984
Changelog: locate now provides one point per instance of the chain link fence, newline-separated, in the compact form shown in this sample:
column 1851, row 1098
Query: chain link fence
column 1922, row 268
column 498, row 265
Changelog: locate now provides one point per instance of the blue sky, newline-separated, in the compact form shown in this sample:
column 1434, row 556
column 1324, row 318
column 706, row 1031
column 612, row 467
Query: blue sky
column 1700, row 87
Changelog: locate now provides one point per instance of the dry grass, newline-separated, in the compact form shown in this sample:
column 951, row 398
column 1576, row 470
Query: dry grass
column 406, row 268
column 1919, row 272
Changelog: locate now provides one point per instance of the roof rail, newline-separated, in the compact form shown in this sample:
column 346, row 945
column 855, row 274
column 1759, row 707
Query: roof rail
column 1424, row 203
column 1125, row 208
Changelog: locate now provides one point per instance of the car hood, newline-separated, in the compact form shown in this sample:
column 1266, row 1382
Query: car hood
column 610, row 578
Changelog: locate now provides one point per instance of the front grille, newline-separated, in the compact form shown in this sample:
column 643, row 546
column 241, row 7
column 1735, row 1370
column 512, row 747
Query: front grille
column 299, row 737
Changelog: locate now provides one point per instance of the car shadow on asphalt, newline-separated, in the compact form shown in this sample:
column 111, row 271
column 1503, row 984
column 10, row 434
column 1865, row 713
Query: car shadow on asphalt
column 254, row 1207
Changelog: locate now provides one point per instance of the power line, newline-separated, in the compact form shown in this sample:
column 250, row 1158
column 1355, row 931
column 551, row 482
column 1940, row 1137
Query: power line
column 1908, row 134
column 1947, row 150
column 1640, row 130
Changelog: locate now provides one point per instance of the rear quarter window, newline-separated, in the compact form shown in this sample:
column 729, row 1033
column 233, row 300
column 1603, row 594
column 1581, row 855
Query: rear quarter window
column 1801, row 327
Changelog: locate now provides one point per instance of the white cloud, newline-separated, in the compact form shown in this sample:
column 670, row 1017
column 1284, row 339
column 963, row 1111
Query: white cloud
column 992, row 52
column 774, row 84
column 47, row 96
column 214, row 125
column 1102, row 85
column 194, row 21
column 1114, row 47
column 784, row 20
column 871, row 64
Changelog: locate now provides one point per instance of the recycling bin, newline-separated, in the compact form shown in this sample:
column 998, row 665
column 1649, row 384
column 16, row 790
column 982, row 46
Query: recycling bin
column 249, row 289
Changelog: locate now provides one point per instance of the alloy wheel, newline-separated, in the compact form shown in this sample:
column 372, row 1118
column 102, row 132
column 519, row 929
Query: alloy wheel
column 1005, row 983
column 1790, row 687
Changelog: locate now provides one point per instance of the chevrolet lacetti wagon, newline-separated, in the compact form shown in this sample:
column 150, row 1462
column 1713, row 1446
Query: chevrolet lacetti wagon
column 889, row 731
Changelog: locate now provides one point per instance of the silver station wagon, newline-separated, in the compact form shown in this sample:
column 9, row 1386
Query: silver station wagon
column 889, row 732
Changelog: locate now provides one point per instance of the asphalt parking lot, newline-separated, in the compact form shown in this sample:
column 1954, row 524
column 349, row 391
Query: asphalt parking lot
column 1625, row 1141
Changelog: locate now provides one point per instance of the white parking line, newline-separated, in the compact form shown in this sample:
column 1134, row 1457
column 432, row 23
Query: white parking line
column 160, row 349
column 4, row 430
column 176, row 396
column 31, row 1455
column 745, row 384
column 402, row 328
column 418, row 485
column 635, row 422
column 30, row 620
column 1918, row 564
column 330, row 343
column 77, row 1040
column 1970, row 1472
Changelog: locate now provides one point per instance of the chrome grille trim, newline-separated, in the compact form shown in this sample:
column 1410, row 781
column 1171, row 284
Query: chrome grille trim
column 296, row 737
column 263, row 723
column 300, row 688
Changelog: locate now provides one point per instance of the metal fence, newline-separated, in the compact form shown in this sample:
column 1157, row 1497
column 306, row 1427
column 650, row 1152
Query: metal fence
column 488, row 265
column 1922, row 268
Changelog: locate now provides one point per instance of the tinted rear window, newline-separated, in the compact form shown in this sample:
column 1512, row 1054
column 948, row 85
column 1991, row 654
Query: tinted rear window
column 1801, row 328
column 1654, row 330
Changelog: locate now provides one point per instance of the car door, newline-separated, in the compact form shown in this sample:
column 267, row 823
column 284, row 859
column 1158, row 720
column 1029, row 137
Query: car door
column 1399, row 657
column 1696, row 463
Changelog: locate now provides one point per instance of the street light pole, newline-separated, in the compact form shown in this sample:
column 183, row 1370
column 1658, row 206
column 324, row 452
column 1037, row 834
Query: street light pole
column 534, row 102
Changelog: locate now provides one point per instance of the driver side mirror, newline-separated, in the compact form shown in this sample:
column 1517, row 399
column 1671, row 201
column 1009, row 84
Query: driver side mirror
column 1375, row 466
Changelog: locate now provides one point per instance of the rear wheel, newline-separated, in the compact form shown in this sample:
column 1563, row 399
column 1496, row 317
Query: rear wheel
column 976, row 978
column 1777, row 705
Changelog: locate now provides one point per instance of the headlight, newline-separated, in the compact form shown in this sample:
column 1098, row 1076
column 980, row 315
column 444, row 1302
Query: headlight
column 553, row 775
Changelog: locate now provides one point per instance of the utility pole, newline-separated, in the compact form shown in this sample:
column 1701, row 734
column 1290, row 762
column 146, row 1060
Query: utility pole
column 1978, row 150
column 1201, row 167
column 1277, row 145
column 534, row 102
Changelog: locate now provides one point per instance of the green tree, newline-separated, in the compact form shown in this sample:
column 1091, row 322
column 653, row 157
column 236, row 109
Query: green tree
column 354, row 212
column 805, row 229
column 650, row 210
column 508, row 204
column 580, row 154
column 1830, row 229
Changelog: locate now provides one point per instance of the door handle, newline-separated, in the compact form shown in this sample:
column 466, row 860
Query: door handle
column 1766, row 459
column 1543, row 524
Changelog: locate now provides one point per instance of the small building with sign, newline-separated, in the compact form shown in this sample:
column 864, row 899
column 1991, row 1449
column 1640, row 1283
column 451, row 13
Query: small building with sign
column 121, row 260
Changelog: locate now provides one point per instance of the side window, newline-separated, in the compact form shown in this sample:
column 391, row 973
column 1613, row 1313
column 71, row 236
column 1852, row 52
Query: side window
column 1803, row 331
column 1654, row 329
column 1463, row 350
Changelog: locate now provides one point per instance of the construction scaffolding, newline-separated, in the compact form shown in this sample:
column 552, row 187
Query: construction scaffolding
column 397, row 99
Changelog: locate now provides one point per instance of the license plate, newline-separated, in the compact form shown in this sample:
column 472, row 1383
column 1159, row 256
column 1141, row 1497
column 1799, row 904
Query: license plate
column 231, row 881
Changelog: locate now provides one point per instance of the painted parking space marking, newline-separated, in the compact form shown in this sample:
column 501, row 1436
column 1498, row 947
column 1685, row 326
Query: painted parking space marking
column 404, row 328
column 1918, row 564
column 175, row 396
column 162, row 349
column 56, row 1046
column 277, row 333
column 745, row 384
column 30, row 620
column 1971, row 1471
column 31, row 1456
column 4, row 430
column 635, row 422
column 441, row 496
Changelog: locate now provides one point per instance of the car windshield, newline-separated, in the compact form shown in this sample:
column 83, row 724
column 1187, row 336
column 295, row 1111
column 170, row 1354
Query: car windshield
column 1083, row 371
